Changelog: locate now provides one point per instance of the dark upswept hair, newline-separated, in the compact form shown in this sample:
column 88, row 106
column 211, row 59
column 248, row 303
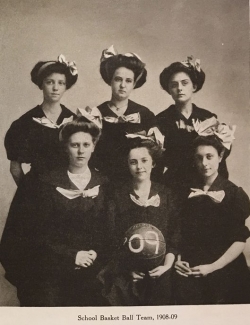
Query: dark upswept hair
column 197, row 78
column 55, row 67
column 210, row 140
column 108, row 67
column 153, row 148
column 80, row 124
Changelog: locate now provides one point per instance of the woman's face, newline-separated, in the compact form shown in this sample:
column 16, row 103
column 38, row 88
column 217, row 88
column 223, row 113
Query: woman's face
column 79, row 149
column 207, row 160
column 122, row 83
column 54, row 86
column 181, row 87
column 140, row 163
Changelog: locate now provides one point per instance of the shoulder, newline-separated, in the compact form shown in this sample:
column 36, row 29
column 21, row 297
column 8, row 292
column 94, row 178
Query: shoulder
column 139, row 108
column 103, row 108
column 25, row 118
column 202, row 113
column 67, row 112
column 166, row 115
column 98, row 178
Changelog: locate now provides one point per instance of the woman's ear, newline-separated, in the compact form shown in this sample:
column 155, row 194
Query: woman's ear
column 194, row 87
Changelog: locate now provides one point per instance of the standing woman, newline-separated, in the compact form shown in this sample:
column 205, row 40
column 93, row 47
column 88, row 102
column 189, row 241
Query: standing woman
column 212, row 268
column 123, row 73
column 33, row 138
column 139, row 200
column 54, row 249
column 181, row 80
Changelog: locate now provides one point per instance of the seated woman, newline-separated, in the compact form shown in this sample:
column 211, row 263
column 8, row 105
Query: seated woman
column 55, row 249
column 141, row 201
column 182, row 80
column 212, row 268
column 123, row 73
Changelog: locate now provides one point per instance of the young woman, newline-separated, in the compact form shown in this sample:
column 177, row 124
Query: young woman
column 212, row 268
column 181, row 80
column 140, row 200
column 33, row 138
column 123, row 73
column 54, row 250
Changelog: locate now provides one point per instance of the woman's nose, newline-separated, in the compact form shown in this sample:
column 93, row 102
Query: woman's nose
column 80, row 149
column 179, row 87
column 122, row 84
column 55, row 86
column 204, row 161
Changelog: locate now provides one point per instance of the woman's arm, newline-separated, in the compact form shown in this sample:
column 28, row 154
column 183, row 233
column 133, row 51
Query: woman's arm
column 159, row 270
column 16, row 171
column 230, row 255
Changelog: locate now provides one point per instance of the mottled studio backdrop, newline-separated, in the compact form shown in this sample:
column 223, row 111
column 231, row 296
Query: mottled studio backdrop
column 160, row 31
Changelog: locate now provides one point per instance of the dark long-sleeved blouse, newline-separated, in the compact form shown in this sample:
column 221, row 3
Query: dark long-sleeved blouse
column 108, row 156
column 29, row 142
column 179, row 134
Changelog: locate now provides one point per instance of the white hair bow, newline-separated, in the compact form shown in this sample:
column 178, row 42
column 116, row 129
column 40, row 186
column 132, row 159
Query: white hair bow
column 211, row 126
column 190, row 63
column 92, row 114
column 70, row 64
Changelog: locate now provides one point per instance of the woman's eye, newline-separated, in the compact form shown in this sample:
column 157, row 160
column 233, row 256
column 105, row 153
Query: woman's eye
column 74, row 145
column 86, row 145
column 173, row 85
column 129, row 80
column 209, row 157
column 132, row 162
column 61, row 83
column 184, row 83
column 144, row 160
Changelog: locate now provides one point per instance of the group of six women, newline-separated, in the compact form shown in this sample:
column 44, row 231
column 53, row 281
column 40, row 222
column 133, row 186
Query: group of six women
column 95, row 175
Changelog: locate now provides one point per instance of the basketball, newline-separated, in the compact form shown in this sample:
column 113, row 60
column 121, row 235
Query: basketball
column 144, row 246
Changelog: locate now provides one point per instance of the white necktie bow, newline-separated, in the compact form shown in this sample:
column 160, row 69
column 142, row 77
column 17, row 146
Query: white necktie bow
column 216, row 196
column 153, row 201
column 131, row 118
column 73, row 194
column 50, row 124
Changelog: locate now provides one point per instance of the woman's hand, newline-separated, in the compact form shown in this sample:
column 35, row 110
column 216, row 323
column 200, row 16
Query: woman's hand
column 85, row 258
column 137, row 276
column 158, row 271
column 182, row 267
column 202, row 270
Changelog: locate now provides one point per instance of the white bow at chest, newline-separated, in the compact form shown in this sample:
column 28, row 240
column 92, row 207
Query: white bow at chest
column 153, row 201
column 73, row 194
column 131, row 118
column 50, row 124
column 216, row 196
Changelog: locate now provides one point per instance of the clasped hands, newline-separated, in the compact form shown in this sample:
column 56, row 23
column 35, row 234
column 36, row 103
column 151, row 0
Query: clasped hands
column 155, row 273
column 198, row 271
column 85, row 258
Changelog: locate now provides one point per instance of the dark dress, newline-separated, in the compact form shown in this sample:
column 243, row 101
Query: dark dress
column 119, row 288
column 208, row 229
column 178, row 157
column 40, row 244
column 29, row 142
column 108, row 155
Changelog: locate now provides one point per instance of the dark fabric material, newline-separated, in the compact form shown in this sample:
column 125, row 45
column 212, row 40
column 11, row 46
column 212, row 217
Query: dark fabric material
column 178, row 144
column 109, row 153
column 119, row 288
column 29, row 142
column 208, row 229
column 43, row 233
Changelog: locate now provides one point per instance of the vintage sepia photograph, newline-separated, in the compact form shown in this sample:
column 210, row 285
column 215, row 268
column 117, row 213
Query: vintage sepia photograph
column 124, row 162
